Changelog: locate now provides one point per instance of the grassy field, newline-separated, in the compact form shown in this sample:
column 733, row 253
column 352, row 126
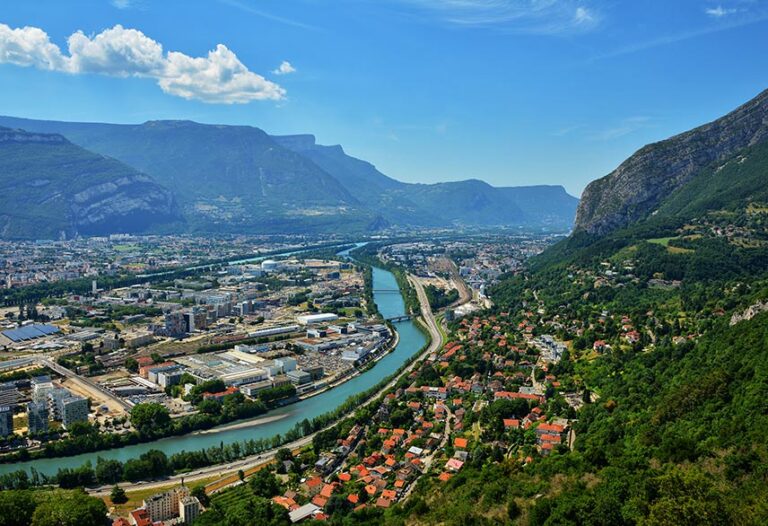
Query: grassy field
column 664, row 241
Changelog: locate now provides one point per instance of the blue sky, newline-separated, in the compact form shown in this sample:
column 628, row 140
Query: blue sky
column 513, row 92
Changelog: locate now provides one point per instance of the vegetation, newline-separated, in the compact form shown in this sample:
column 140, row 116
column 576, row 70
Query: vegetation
column 50, row 508
column 439, row 297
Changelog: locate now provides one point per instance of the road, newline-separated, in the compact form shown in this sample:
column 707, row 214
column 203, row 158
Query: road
column 254, row 462
column 86, row 382
column 465, row 293
column 426, row 313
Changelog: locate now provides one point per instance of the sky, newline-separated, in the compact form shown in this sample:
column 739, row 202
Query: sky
column 513, row 92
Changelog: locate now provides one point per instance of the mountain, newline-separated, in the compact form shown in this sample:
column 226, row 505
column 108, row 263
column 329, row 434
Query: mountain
column 469, row 202
column 50, row 187
column 240, row 179
column 640, row 185
column 367, row 184
column 225, row 178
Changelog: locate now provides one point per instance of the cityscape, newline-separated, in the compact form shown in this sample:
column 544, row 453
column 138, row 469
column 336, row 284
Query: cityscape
column 391, row 263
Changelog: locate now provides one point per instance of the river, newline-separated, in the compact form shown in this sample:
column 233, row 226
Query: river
column 279, row 420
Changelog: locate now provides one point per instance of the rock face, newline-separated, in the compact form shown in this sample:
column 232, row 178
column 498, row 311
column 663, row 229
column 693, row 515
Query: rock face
column 50, row 187
column 635, row 189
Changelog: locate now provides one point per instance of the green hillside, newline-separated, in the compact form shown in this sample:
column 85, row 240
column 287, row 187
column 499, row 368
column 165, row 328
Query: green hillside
column 51, row 187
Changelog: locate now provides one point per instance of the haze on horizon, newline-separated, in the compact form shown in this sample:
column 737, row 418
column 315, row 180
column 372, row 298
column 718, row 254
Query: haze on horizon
column 510, row 92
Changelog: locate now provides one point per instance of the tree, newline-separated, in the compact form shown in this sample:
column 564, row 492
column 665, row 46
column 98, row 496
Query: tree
column 283, row 454
column 131, row 364
column 108, row 471
column 202, row 496
column 16, row 507
column 69, row 509
column 118, row 496
column 149, row 418
column 265, row 484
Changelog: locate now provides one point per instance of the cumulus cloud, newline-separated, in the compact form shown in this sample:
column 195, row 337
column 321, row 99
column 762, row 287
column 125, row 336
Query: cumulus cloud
column 284, row 68
column 219, row 77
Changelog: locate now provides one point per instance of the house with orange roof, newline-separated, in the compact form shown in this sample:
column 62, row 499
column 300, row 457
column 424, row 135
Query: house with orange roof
column 328, row 490
column 389, row 494
column 314, row 485
column 460, row 443
column 511, row 423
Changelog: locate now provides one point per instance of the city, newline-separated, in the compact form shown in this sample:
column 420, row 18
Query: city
column 383, row 263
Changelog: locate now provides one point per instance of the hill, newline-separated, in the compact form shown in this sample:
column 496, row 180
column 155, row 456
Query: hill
column 50, row 187
column 637, row 188
column 660, row 294
column 225, row 178
column 470, row 202
column 238, row 178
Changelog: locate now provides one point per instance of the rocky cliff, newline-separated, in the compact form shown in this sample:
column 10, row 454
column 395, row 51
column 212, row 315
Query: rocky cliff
column 636, row 188
column 50, row 187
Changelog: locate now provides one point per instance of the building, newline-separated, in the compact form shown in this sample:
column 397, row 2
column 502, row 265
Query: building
column 312, row 319
column 6, row 421
column 37, row 413
column 137, row 339
column 189, row 509
column 164, row 506
column 67, row 407
column 74, row 409
column 9, row 394
column 175, row 324
column 28, row 332
column 140, row 517
column 169, row 378
column 286, row 364
column 298, row 377
column 196, row 319
column 41, row 386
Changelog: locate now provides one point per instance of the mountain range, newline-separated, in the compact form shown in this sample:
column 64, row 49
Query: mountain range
column 236, row 179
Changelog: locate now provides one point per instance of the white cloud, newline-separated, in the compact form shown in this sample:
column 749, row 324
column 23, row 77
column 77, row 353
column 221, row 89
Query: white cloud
column 219, row 77
column 522, row 16
column 719, row 11
column 122, row 4
column 284, row 68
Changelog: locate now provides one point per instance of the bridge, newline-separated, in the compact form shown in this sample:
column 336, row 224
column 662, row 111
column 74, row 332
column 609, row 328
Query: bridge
column 396, row 319
column 386, row 291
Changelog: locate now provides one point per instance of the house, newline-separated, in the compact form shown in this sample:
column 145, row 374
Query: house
column 511, row 423
column 139, row 517
column 304, row 512
column 460, row 443
column 454, row 464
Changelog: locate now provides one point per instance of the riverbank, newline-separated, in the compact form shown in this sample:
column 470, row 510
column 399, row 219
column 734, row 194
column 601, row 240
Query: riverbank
column 227, row 473
column 261, row 435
